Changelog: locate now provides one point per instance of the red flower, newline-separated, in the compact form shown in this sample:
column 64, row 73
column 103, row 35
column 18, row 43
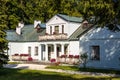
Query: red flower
column 76, row 56
column 30, row 59
column 24, row 54
column 16, row 54
column 70, row 56
column 63, row 56
column 53, row 60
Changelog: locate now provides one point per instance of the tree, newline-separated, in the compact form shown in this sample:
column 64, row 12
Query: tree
column 84, row 58
column 3, row 41
column 30, row 10
column 104, row 11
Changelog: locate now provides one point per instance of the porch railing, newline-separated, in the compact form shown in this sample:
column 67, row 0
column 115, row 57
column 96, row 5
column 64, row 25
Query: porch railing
column 53, row 37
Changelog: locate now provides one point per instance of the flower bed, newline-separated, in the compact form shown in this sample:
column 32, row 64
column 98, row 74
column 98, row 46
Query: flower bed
column 21, row 57
column 53, row 60
column 70, row 56
column 70, row 59
column 77, row 56
column 63, row 56
column 30, row 59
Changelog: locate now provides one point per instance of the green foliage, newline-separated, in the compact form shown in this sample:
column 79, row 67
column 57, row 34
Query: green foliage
column 14, row 11
column 3, row 26
column 75, row 68
column 72, row 68
column 84, row 58
column 30, row 10
column 104, row 11
column 13, row 74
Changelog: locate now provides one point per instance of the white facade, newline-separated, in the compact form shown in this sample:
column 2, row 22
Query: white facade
column 50, row 45
column 22, row 48
column 54, row 43
column 74, row 47
column 109, row 48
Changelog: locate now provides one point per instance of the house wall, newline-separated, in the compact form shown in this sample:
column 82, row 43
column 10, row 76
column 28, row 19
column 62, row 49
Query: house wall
column 109, row 43
column 72, row 27
column 74, row 47
column 22, row 48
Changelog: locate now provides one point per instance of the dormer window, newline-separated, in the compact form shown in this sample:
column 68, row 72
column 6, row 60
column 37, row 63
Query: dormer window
column 62, row 29
column 85, row 24
column 50, row 29
column 38, row 28
column 56, row 29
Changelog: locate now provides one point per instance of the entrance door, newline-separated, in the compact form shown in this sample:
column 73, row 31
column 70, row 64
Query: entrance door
column 49, row 53
column 58, row 50
column 42, row 52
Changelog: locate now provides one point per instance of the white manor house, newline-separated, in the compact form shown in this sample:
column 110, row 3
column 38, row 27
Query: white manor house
column 64, row 36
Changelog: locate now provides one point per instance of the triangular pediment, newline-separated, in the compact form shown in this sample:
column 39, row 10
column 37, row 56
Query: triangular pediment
column 56, row 20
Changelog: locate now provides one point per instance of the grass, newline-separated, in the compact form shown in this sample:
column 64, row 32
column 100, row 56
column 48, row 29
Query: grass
column 75, row 68
column 13, row 62
column 24, row 74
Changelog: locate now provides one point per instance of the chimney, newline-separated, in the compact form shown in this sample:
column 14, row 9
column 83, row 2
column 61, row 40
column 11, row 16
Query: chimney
column 21, row 24
column 36, row 22
column 19, row 27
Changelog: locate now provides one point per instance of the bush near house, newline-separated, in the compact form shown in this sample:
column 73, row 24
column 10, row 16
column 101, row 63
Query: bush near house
column 53, row 60
column 84, row 58
column 30, row 58
column 3, row 59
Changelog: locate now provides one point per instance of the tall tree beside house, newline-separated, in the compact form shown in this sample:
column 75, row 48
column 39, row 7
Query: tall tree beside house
column 30, row 10
column 12, row 14
column 3, row 41
column 104, row 11
column 69, row 7
column 27, row 11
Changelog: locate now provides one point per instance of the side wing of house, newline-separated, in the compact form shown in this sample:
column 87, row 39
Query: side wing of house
column 102, row 47
column 26, row 43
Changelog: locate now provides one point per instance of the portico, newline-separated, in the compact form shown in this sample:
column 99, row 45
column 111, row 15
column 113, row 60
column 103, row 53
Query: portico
column 48, row 51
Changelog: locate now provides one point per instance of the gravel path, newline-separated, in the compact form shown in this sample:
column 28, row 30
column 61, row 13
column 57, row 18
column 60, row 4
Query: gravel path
column 42, row 67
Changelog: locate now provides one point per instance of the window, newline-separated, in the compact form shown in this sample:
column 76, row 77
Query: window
column 95, row 54
column 56, row 29
column 62, row 28
column 50, row 29
column 29, row 51
column 36, row 51
column 85, row 24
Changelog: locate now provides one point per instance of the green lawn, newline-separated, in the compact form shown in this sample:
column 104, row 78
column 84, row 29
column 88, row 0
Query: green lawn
column 24, row 74
column 75, row 68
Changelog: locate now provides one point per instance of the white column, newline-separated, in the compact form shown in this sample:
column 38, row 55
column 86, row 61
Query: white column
column 46, row 52
column 55, row 51
column 62, row 49
column 39, row 54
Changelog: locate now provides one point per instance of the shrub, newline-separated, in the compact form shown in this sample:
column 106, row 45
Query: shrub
column 70, row 56
column 77, row 56
column 30, row 59
column 64, row 56
column 53, row 60
column 16, row 54
column 84, row 58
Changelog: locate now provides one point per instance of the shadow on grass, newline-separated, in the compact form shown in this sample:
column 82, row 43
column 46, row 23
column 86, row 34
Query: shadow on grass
column 15, row 65
column 22, row 74
column 99, row 70
column 75, row 68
